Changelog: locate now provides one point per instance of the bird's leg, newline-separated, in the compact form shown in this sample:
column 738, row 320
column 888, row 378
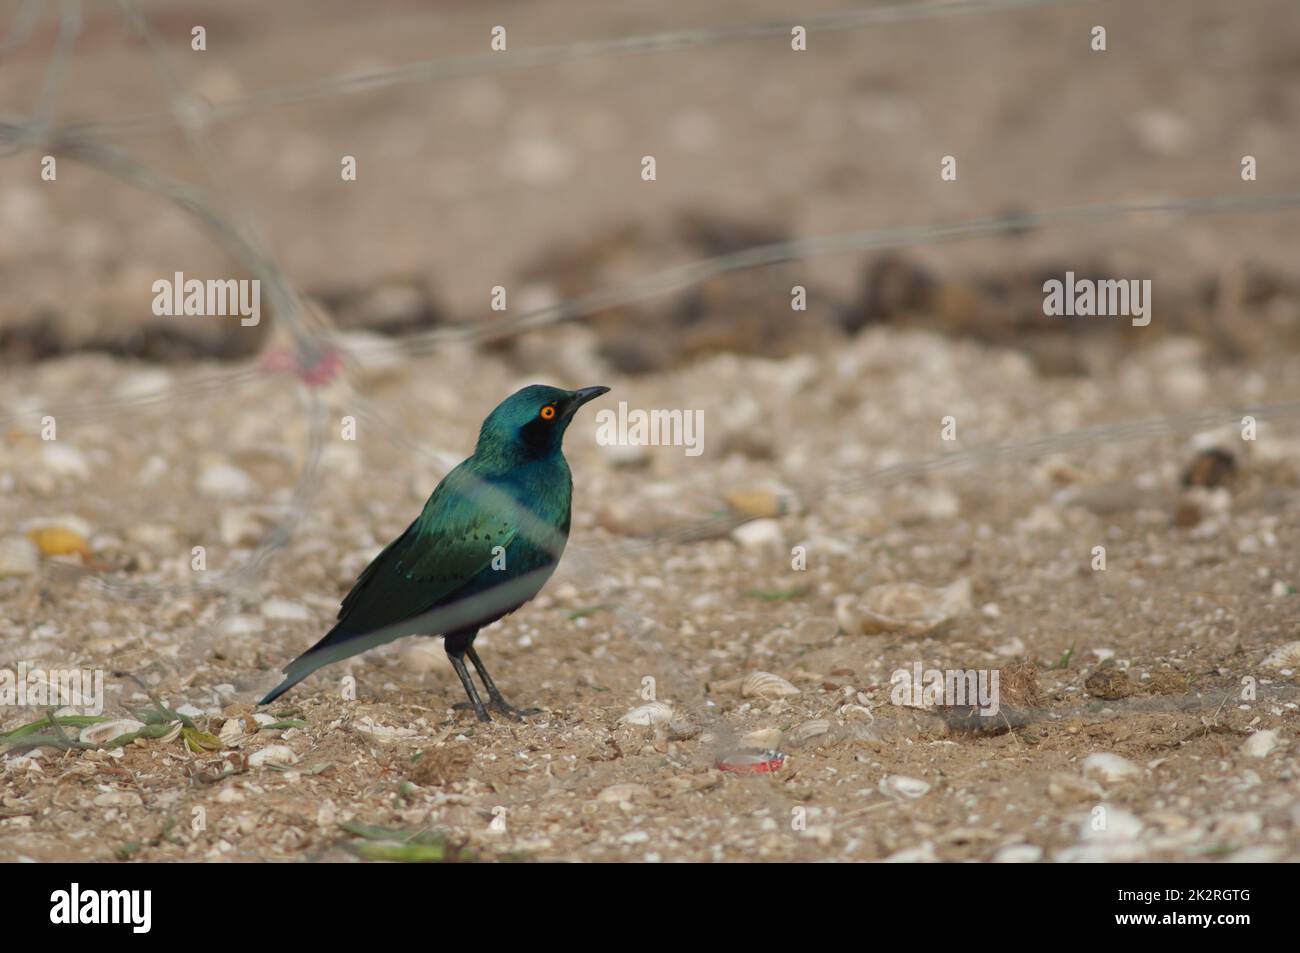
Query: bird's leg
column 495, row 697
column 458, row 663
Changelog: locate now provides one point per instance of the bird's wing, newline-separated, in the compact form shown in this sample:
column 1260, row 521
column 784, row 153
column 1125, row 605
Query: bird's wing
column 453, row 540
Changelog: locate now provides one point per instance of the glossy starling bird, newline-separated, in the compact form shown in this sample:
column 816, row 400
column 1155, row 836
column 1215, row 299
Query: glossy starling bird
column 488, row 539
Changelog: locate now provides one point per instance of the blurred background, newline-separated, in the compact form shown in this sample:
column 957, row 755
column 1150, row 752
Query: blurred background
column 530, row 179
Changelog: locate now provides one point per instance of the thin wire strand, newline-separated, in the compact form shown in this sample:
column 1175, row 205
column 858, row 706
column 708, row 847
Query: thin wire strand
column 448, row 67
column 20, row 31
column 283, row 299
column 57, row 70
column 693, row 273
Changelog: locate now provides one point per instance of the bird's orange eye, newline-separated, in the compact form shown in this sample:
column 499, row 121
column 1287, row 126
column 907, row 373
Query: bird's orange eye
column 548, row 412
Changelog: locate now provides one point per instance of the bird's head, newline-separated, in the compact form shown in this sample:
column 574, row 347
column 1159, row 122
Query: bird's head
column 531, row 422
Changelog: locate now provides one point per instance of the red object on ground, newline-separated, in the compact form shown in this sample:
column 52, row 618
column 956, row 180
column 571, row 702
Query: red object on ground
column 751, row 761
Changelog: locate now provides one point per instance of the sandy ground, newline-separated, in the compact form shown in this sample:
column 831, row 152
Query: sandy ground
column 1148, row 709
column 1182, row 612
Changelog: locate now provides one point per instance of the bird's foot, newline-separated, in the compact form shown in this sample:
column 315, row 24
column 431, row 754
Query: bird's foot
column 479, row 711
column 502, row 707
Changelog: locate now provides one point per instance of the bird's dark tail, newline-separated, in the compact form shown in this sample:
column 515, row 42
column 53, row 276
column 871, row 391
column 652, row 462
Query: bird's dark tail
column 315, row 657
column 283, row 687
column 338, row 643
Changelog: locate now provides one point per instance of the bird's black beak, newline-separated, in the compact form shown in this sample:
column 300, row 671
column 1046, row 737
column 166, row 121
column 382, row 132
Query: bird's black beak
column 580, row 397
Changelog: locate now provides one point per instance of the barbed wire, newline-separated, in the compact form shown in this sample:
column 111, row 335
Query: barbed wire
column 448, row 67
column 316, row 343
column 308, row 342
column 109, row 407
column 22, row 28
column 202, row 146
column 251, row 570
column 696, row 272
column 56, row 72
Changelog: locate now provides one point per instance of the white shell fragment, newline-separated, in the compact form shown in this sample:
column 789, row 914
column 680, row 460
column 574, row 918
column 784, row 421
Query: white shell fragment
column 766, row 685
column 232, row 732
column 224, row 481
column 1120, row 827
column 1109, row 768
column 286, row 610
column 623, row 793
column 239, row 527
column 1019, row 854
column 171, row 735
column 922, row 853
column 18, row 557
column 651, row 713
column 808, row 731
column 899, row 785
column 1285, row 656
column 66, row 461
column 1260, row 744
column 902, row 607
column 272, row 755
column 758, row 534
column 384, row 734
column 105, row 731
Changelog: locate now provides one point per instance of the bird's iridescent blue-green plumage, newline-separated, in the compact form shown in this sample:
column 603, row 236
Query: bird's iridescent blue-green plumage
column 486, row 542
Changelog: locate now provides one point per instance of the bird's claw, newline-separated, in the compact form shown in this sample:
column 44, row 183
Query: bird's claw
column 501, row 707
